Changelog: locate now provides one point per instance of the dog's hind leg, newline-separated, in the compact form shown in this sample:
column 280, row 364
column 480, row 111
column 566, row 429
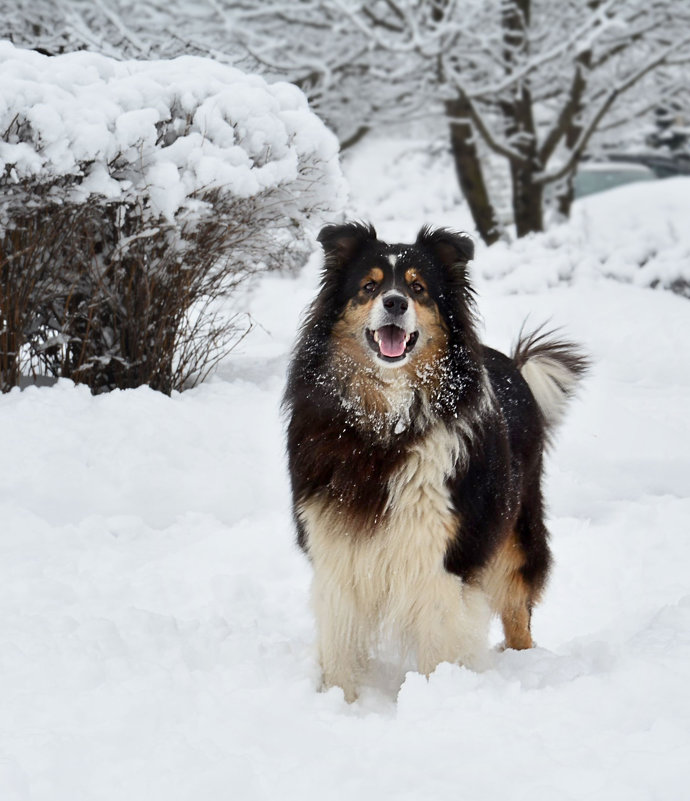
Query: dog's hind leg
column 516, row 617
column 514, row 581
column 531, row 538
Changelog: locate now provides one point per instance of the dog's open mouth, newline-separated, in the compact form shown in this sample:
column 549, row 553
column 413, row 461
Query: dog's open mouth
column 391, row 343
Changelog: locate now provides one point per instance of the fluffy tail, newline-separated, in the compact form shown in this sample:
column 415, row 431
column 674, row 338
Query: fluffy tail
column 552, row 369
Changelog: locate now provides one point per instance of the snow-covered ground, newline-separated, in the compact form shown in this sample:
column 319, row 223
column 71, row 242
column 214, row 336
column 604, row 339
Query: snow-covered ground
column 156, row 642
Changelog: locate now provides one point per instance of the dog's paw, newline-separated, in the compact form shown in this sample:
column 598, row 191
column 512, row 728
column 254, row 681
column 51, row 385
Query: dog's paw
column 349, row 691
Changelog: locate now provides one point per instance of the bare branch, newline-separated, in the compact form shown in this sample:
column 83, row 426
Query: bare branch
column 485, row 131
column 611, row 96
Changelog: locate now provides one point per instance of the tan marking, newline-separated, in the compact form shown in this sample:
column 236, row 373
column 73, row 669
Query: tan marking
column 509, row 594
column 348, row 332
column 516, row 628
column 376, row 392
column 429, row 315
column 360, row 377
column 394, row 578
column 375, row 274
column 411, row 275
column 430, row 350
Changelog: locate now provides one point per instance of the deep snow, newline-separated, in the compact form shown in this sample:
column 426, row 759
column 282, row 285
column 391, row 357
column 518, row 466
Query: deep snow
column 156, row 642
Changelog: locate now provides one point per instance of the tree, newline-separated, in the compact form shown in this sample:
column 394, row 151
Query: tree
column 671, row 132
column 530, row 81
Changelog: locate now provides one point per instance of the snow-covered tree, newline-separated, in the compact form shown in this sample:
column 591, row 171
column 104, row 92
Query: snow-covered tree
column 671, row 133
column 529, row 81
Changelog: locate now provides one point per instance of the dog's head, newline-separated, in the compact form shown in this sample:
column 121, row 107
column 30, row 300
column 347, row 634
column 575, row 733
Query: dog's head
column 396, row 305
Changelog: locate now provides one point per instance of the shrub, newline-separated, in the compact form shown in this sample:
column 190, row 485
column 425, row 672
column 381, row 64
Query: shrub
column 135, row 196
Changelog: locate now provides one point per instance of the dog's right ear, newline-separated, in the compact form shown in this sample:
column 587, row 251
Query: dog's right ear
column 341, row 243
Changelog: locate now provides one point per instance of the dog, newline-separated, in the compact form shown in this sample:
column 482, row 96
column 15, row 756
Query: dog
column 415, row 456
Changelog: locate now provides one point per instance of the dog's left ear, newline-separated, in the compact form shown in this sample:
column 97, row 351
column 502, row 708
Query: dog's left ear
column 451, row 248
column 341, row 243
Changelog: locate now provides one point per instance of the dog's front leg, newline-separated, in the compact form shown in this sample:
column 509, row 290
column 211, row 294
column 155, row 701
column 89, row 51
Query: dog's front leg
column 343, row 635
column 451, row 625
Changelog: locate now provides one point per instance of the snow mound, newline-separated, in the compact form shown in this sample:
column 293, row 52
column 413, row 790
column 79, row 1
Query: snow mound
column 165, row 130
column 637, row 234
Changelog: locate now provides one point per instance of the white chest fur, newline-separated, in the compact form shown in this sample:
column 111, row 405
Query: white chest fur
column 393, row 577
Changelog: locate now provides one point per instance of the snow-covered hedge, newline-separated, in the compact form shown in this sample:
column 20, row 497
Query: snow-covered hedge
column 174, row 180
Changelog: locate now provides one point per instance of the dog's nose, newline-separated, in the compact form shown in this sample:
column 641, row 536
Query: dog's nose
column 395, row 304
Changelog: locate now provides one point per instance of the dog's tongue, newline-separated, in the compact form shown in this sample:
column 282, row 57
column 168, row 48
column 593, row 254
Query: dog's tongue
column 392, row 341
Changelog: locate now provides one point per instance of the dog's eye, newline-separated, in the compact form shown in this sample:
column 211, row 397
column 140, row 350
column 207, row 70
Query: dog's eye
column 416, row 287
column 370, row 286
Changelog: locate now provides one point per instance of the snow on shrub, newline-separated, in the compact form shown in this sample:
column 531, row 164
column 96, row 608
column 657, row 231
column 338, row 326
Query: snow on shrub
column 132, row 196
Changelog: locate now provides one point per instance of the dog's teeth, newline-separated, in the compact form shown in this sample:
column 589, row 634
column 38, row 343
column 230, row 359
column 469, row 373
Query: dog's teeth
column 376, row 336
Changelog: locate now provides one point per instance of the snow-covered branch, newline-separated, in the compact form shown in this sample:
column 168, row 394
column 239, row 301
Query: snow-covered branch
column 611, row 96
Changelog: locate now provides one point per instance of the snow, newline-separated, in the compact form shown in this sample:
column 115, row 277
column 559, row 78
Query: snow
column 156, row 642
column 636, row 234
column 161, row 130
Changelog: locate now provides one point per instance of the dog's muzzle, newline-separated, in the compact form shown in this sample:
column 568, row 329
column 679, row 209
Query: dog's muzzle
column 392, row 333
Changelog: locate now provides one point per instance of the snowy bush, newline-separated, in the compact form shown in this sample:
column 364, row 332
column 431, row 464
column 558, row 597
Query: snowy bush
column 135, row 194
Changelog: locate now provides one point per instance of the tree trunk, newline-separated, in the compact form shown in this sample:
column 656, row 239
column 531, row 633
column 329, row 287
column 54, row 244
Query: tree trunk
column 16, row 282
column 9, row 376
column 566, row 190
column 573, row 130
column 527, row 195
column 354, row 138
column 518, row 123
column 468, row 169
column 565, row 197
column 528, row 199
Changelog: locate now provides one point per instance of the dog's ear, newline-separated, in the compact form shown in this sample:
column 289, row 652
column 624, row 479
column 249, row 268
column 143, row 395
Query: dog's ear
column 451, row 248
column 341, row 243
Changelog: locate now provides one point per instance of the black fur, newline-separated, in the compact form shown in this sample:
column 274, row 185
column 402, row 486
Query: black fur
column 503, row 479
